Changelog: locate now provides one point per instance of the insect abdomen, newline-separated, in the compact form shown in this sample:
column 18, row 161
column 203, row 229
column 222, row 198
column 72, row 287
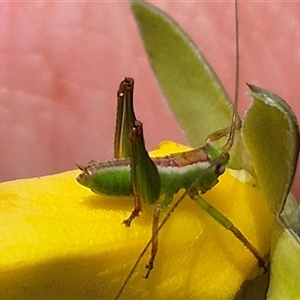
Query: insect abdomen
column 112, row 178
column 113, row 181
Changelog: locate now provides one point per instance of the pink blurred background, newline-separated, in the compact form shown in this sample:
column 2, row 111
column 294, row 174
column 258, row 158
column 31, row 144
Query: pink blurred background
column 61, row 64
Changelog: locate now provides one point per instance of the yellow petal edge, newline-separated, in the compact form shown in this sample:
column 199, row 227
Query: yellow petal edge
column 61, row 241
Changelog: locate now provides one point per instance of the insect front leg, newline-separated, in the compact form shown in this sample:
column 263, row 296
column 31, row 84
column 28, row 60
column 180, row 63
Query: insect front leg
column 224, row 132
column 193, row 192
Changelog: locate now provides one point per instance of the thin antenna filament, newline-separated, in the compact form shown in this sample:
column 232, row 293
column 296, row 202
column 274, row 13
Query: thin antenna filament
column 234, row 124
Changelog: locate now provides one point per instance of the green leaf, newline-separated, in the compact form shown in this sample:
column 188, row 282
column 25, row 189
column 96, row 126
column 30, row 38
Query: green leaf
column 190, row 86
column 271, row 135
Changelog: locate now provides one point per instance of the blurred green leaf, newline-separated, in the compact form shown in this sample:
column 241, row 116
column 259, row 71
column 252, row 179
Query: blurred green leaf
column 190, row 86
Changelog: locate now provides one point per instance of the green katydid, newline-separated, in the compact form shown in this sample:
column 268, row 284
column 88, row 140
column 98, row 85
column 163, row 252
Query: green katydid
column 133, row 172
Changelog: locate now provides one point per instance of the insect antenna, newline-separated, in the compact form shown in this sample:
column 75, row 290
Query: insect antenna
column 235, row 121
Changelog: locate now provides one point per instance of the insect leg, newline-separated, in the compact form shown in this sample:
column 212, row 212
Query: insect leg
column 124, row 119
column 223, row 132
column 129, row 142
column 145, row 177
column 154, row 235
column 154, row 239
column 226, row 223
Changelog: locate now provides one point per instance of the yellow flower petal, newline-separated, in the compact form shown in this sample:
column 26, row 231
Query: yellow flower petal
column 61, row 241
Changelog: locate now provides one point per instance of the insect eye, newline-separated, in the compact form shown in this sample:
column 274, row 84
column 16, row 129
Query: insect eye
column 220, row 169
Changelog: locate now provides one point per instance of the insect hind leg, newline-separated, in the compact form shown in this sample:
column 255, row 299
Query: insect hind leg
column 154, row 246
column 146, row 183
column 135, row 213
